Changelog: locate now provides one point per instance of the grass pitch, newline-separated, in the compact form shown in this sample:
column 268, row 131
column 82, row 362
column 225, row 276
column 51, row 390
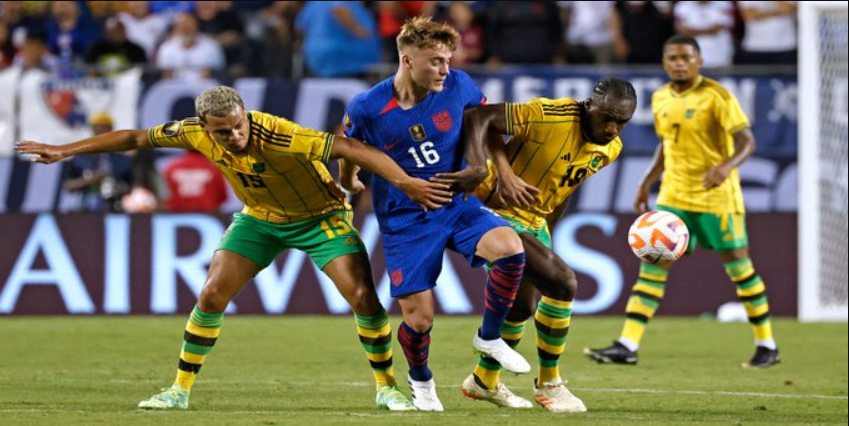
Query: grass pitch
column 311, row 370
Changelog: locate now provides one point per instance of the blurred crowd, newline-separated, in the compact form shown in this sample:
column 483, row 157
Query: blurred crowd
column 291, row 39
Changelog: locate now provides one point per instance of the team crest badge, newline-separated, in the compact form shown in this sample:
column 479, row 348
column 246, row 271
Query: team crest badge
column 171, row 128
column 442, row 121
column 690, row 113
column 259, row 167
column 347, row 121
column 418, row 133
column 595, row 162
column 397, row 277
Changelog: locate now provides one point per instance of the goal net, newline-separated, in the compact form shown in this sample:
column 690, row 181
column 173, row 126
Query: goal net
column 823, row 144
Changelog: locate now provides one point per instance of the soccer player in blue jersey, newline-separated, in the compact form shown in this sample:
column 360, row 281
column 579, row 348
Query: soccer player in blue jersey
column 415, row 118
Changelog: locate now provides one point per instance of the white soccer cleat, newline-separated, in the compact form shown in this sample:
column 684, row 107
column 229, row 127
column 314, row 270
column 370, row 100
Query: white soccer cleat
column 424, row 395
column 556, row 398
column 174, row 397
column 501, row 396
column 499, row 350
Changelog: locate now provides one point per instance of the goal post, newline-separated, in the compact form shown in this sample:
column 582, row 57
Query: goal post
column 823, row 145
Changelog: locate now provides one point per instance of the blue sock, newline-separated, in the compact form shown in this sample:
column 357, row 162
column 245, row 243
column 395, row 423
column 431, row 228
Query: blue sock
column 501, row 286
column 416, row 348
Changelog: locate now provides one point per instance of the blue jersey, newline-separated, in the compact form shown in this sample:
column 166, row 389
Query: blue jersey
column 424, row 140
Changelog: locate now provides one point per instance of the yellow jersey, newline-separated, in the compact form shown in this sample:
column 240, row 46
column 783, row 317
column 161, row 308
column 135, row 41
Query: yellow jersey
column 281, row 177
column 548, row 150
column 696, row 128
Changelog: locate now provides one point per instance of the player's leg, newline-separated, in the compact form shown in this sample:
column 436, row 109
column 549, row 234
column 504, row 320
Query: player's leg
column 752, row 292
column 484, row 237
column 228, row 273
column 646, row 297
column 484, row 384
column 414, row 261
column 414, row 337
column 334, row 244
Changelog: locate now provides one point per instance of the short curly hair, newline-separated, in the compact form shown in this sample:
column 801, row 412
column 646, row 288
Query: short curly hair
column 218, row 101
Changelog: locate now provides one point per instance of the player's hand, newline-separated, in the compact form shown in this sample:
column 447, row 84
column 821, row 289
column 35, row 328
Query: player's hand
column 429, row 195
column 464, row 181
column 39, row 152
column 353, row 185
column 513, row 191
column 715, row 176
column 641, row 201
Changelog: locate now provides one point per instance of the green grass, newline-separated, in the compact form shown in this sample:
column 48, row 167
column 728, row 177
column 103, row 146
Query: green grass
column 308, row 370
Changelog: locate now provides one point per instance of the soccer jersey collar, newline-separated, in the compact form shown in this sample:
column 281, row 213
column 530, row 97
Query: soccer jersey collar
column 675, row 94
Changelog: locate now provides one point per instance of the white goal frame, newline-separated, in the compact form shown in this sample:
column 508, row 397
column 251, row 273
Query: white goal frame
column 809, row 165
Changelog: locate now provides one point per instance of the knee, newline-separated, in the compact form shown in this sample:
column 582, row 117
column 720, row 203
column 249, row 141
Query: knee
column 506, row 245
column 420, row 323
column 565, row 283
column 364, row 301
column 212, row 300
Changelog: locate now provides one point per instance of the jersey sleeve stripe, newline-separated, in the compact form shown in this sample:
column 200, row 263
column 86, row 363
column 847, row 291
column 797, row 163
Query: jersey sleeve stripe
column 151, row 136
column 328, row 144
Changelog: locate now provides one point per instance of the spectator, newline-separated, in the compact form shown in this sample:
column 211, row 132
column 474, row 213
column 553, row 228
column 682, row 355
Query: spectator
column 34, row 54
column 19, row 23
column 588, row 31
column 471, row 48
column 217, row 20
column 99, row 181
column 770, row 32
column 7, row 52
column 273, row 28
column 527, row 32
column 189, row 55
column 68, row 34
column 170, row 9
column 102, row 10
column 114, row 53
column 340, row 38
column 640, row 29
column 392, row 15
column 143, row 27
column 195, row 184
column 710, row 22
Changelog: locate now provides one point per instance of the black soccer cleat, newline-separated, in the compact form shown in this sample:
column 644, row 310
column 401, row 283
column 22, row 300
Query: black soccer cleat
column 764, row 357
column 615, row 354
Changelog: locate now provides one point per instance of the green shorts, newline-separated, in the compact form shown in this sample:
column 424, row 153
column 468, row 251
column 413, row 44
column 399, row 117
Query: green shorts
column 718, row 232
column 322, row 238
column 541, row 234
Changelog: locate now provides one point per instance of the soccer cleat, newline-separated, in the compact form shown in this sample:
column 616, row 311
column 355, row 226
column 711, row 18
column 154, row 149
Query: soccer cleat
column 173, row 397
column 556, row 398
column 614, row 354
column 424, row 395
column 505, row 355
column 501, row 396
column 764, row 357
column 390, row 398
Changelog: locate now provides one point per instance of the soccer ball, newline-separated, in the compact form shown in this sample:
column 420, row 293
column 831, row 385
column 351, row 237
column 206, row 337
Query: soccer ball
column 658, row 236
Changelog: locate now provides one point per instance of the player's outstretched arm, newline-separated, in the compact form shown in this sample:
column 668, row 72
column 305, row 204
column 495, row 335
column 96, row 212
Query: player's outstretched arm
column 744, row 146
column 641, row 201
column 430, row 195
column 475, row 173
column 117, row 141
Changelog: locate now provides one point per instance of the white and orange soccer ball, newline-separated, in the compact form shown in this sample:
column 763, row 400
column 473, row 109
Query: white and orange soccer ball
column 658, row 236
